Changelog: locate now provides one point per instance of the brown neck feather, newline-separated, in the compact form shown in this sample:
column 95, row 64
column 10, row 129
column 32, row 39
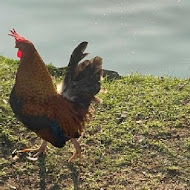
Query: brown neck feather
column 33, row 80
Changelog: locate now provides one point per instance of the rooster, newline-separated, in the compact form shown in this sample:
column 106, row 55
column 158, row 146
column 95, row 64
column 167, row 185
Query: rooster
column 56, row 117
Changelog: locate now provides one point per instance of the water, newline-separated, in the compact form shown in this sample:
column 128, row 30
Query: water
column 145, row 36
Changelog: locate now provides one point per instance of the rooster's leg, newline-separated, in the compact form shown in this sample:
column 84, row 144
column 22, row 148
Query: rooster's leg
column 77, row 146
column 81, row 137
column 42, row 149
column 39, row 151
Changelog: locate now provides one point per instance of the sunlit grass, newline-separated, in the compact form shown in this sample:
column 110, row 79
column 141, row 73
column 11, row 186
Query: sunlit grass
column 139, row 138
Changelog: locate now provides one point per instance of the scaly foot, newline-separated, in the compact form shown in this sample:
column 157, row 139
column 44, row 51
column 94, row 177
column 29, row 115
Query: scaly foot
column 77, row 146
column 39, row 151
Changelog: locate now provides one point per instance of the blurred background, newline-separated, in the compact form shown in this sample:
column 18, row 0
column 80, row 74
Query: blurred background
column 145, row 36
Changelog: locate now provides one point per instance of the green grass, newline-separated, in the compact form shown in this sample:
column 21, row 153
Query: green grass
column 139, row 138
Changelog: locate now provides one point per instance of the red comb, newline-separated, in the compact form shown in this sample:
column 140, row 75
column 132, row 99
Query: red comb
column 16, row 35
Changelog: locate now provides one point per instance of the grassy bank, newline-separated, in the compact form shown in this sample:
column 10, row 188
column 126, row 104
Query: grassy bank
column 139, row 138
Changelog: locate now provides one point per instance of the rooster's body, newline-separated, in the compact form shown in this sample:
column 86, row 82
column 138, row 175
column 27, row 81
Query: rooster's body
column 55, row 117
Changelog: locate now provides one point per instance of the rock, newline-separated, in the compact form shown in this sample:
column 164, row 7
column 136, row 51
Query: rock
column 54, row 71
column 111, row 74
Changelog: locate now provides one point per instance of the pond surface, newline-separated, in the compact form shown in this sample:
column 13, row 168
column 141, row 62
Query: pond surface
column 145, row 36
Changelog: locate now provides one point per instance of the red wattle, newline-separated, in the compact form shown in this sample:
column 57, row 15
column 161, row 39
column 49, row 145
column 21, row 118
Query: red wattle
column 19, row 54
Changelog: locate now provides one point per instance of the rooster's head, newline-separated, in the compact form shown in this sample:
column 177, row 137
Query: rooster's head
column 21, row 43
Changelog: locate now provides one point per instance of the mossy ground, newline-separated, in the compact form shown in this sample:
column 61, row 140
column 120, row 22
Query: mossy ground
column 139, row 138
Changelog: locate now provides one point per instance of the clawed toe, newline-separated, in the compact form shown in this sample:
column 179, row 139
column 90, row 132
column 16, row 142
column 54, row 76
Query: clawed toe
column 37, row 155
column 39, row 151
column 74, row 156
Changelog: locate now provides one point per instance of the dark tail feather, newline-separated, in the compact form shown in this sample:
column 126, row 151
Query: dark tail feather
column 77, row 55
column 82, row 82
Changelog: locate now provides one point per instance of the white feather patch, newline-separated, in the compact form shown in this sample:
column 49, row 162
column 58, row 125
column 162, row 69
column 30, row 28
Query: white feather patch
column 60, row 87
